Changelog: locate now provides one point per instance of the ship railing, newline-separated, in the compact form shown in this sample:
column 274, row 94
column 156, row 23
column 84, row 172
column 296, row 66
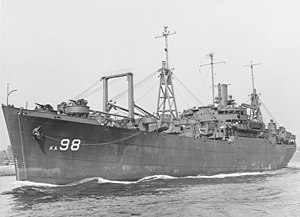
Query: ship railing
column 94, row 112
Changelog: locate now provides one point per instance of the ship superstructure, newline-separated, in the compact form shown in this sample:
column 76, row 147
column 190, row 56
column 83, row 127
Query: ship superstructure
column 74, row 142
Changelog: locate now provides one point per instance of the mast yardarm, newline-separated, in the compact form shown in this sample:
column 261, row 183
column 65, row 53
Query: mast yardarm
column 212, row 63
column 255, row 102
column 166, row 98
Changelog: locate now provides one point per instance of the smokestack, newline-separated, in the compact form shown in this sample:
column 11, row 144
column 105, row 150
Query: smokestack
column 222, row 94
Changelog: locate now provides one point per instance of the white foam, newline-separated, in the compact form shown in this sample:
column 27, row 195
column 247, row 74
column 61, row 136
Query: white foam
column 164, row 177
column 37, row 184
column 79, row 182
column 102, row 181
column 227, row 175
column 145, row 179
column 29, row 183
column 155, row 177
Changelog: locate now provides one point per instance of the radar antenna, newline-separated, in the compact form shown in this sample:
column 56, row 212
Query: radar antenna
column 212, row 63
column 166, row 91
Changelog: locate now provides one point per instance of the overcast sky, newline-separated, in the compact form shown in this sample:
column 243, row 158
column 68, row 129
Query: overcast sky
column 52, row 50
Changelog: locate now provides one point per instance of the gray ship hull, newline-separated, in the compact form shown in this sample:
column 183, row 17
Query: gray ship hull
column 69, row 149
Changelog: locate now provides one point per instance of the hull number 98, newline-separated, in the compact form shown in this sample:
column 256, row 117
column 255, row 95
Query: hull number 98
column 66, row 144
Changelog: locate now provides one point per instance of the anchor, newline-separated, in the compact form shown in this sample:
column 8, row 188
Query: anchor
column 37, row 134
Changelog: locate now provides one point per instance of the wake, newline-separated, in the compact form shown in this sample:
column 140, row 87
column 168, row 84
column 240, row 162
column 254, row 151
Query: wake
column 101, row 180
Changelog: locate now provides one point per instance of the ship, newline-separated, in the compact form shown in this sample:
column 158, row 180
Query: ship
column 73, row 142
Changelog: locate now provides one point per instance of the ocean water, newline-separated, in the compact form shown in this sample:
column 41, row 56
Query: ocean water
column 273, row 193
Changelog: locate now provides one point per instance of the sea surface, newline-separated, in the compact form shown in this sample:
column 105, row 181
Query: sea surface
column 274, row 193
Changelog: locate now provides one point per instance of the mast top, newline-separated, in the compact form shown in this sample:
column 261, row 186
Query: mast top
column 252, row 75
column 165, row 34
column 212, row 63
column 255, row 113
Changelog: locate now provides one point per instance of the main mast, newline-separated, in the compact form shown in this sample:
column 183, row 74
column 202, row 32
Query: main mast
column 166, row 97
column 255, row 113
column 212, row 63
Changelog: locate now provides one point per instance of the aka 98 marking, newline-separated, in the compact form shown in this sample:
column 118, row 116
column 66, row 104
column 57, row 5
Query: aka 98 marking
column 65, row 143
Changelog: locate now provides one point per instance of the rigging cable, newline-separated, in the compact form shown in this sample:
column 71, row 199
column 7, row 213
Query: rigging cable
column 178, row 92
column 269, row 113
column 202, row 83
column 136, row 85
column 92, row 92
column 80, row 95
column 143, row 96
column 190, row 92
column 86, row 90
column 86, row 94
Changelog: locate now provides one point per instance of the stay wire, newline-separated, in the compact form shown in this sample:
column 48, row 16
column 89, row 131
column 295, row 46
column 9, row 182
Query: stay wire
column 190, row 92
column 87, row 94
column 86, row 90
column 148, row 91
column 178, row 92
column 136, row 85
column 269, row 112
column 92, row 92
